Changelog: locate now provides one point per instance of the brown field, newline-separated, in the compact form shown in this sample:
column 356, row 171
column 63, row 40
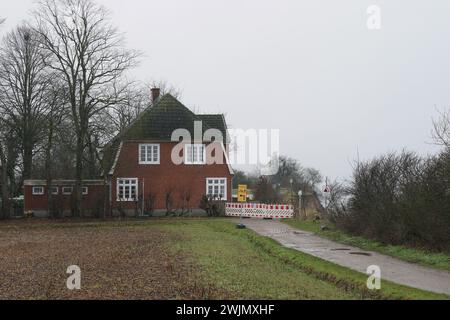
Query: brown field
column 123, row 262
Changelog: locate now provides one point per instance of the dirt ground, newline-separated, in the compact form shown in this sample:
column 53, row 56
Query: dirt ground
column 116, row 263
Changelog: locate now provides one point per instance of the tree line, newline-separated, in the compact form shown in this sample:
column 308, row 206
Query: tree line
column 64, row 93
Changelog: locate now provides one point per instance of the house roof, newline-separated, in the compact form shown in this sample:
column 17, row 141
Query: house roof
column 57, row 183
column 158, row 122
column 168, row 114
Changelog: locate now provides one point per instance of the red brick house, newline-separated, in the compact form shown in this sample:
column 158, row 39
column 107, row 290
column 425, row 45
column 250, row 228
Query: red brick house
column 168, row 158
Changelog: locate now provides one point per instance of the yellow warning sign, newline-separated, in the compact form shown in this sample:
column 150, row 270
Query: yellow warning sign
column 242, row 193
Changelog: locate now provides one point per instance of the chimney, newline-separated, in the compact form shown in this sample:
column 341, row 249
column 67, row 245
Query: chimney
column 155, row 95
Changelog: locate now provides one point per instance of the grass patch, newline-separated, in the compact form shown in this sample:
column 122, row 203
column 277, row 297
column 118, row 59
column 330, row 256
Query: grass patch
column 423, row 257
column 255, row 267
column 233, row 263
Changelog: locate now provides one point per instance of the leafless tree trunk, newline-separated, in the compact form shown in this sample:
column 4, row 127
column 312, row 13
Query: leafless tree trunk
column 4, row 184
column 23, row 84
column 87, row 51
column 55, row 116
column 8, row 157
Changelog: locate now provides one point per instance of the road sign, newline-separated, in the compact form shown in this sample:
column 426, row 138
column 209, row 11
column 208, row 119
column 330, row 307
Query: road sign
column 242, row 193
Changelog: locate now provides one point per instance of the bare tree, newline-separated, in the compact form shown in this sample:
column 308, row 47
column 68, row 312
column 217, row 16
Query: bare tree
column 23, row 83
column 168, row 199
column 150, row 202
column 265, row 191
column 8, row 158
column 2, row 20
column 165, row 87
column 88, row 52
column 185, row 195
column 441, row 129
column 4, row 182
column 136, row 98
column 56, row 99
column 312, row 178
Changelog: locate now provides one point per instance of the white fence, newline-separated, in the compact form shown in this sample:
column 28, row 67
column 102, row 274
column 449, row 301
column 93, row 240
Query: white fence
column 262, row 211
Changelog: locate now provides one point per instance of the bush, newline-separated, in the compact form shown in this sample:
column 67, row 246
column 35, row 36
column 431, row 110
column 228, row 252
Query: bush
column 399, row 199
column 213, row 207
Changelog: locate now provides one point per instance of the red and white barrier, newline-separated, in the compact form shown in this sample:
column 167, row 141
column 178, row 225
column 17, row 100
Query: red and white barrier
column 262, row 211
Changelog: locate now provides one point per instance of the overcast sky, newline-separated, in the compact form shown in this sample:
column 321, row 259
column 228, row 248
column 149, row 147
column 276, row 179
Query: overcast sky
column 308, row 67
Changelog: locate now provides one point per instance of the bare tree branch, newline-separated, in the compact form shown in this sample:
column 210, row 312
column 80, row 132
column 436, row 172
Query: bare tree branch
column 87, row 51
column 441, row 129
column 24, row 80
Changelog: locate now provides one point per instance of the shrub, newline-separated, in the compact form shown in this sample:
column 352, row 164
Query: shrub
column 212, row 206
column 398, row 199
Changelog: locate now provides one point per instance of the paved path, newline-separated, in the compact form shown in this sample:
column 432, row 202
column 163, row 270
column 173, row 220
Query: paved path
column 392, row 269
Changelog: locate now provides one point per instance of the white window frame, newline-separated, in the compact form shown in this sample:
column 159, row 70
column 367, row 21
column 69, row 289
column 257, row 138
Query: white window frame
column 54, row 190
column 40, row 193
column 150, row 147
column 212, row 182
column 65, row 193
column 194, row 154
column 85, row 191
column 133, row 182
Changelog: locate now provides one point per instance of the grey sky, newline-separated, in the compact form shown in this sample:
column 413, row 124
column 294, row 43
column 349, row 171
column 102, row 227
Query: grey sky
column 310, row 68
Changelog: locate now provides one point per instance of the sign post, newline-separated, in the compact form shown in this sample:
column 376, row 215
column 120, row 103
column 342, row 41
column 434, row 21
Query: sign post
column 327, row 192
column 242, row 199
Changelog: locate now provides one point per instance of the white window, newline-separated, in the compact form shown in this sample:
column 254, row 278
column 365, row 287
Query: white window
column 149, row 154
column 195, row 154
column 217, row 188
column 67, row 191
column 85, row 191
column 127, row 189
column 38, row 191
column 55, row 191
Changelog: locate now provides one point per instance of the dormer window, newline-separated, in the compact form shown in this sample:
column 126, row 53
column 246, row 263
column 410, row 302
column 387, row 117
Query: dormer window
column 149, row 154
column 195, row 154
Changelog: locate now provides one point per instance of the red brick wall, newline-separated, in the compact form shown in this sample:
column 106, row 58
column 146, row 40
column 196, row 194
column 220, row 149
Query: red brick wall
column 166, row 175
column 64, row 202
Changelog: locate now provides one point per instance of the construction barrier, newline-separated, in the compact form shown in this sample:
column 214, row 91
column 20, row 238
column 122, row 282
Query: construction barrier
column 262, row 211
